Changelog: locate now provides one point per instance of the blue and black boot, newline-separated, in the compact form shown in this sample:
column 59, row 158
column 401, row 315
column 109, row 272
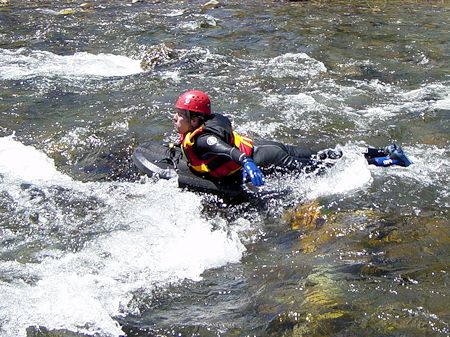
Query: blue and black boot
column 396, row 154
column 390, row 155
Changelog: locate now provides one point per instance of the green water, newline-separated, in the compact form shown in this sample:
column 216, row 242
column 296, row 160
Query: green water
column 362, row 251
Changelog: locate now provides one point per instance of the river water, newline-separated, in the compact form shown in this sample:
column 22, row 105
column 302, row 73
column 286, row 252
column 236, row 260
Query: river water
column 91, row 248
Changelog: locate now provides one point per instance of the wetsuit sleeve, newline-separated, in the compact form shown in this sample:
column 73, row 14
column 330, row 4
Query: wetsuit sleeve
column 211, row 144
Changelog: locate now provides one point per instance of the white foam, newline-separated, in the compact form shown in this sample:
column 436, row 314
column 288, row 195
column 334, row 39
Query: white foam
column 348, row 175
column 173, row 75
column 443, row 103
column 431, row 166
column 81, row 291
column 27, row 164
column 377, row 113
column 177, row 12
column 294, row 64
column 153, row 234
column 300, row 110
column 23, row 64
column 351, row 173
column 264, row 129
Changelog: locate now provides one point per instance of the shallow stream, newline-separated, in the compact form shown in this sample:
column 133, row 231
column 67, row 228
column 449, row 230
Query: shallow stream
column 88, row 247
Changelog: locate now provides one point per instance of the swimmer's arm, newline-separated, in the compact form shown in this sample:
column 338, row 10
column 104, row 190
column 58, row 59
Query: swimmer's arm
column 211, row 144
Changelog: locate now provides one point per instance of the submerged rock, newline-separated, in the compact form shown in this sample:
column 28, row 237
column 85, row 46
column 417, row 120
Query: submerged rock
column 87, row 6
column 208, row 22
column 306, row 216
column 320, row 228
column 157, row 55
column 211, row 4
column 309, row 219
column 67, row 11
column 321, row 310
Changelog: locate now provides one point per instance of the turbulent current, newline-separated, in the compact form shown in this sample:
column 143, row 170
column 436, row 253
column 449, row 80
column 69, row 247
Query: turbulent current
column 90, row 247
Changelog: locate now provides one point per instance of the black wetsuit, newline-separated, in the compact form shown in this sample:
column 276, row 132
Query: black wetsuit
column 268, row 155
column 273, row 156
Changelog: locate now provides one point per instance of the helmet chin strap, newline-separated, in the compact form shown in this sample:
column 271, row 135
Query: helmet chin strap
column 189, row 119
column 188, row 116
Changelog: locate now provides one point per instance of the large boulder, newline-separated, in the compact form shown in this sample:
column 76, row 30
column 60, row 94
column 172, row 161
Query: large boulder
column 158, row 55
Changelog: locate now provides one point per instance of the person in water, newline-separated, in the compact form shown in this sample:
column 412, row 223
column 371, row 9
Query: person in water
column 214, row 150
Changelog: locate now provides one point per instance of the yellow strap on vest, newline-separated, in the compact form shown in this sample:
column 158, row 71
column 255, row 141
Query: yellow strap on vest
column 240, row 142
column 188, row 141
column 201, row 168
column 189, row 138
column 238, row 139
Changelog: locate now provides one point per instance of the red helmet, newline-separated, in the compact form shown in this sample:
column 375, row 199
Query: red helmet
column 194, row 100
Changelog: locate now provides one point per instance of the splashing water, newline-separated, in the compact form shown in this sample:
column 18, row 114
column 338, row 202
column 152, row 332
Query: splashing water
column 81, row 251
column 138, row 248
column 22, row 64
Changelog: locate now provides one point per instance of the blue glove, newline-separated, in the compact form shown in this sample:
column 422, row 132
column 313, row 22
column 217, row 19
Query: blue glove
column 253, row 172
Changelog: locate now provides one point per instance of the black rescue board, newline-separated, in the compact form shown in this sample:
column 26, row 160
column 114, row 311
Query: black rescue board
column 167, row 162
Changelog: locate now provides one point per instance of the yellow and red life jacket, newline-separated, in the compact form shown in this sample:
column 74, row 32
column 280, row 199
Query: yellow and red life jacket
column 215, row 165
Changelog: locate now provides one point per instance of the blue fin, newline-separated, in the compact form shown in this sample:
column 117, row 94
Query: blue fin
column 396, row 154
column 384, row 161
